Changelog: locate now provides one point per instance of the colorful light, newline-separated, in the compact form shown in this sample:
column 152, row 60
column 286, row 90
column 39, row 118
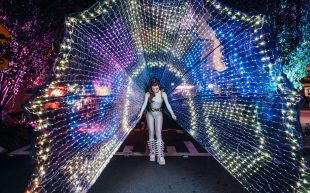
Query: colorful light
column 235, row 100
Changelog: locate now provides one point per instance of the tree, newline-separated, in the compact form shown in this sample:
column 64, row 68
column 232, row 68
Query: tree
column 30, row 55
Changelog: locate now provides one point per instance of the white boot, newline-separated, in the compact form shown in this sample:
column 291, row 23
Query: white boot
column 152, row 148
column 160, row 152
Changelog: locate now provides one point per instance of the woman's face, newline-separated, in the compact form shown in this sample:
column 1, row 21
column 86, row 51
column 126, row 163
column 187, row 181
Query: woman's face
column 155, row 89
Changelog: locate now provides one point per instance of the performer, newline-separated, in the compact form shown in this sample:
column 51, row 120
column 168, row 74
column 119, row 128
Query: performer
column 155, row 116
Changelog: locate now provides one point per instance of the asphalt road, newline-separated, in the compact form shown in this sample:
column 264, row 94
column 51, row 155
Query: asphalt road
column 180, row 175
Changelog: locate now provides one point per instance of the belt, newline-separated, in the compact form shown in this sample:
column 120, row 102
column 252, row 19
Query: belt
column 153, row 110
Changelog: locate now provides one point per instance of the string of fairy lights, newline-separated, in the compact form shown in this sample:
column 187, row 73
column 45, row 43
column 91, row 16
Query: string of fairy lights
column 218, row 68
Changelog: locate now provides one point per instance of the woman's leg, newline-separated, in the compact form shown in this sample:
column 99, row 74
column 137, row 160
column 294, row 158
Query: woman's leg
column 158, row 124
column 150, row 124
column 151, row 142
column 159, row 141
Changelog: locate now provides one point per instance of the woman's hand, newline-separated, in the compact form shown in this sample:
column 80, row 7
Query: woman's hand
column 174, row 117
column 140, row 115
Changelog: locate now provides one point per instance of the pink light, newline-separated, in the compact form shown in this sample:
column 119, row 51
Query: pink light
column 89, row 130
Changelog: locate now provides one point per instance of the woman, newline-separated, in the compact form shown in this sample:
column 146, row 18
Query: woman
column 154, row 115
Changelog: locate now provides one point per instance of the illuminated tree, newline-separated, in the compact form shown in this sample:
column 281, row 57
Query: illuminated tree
column 292, row 31
column 30, row 54
column 38, row 29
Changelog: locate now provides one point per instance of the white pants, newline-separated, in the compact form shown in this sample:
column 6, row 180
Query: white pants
column 157, row 119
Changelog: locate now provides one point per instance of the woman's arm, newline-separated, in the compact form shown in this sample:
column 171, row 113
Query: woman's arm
column 167, row 103
column 146, row 97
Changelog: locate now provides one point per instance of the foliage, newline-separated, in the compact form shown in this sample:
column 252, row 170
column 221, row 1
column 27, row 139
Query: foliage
column 30, row 54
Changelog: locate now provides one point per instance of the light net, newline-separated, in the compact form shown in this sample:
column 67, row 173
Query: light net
column 218, row 68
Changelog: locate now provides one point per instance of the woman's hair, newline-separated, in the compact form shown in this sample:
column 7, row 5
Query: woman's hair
column 154, row 82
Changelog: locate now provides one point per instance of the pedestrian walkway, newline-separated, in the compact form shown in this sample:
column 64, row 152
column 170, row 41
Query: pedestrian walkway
column 177, row 141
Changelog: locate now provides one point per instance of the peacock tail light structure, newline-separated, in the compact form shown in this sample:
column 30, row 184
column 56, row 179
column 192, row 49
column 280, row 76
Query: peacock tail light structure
column 218, row 68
